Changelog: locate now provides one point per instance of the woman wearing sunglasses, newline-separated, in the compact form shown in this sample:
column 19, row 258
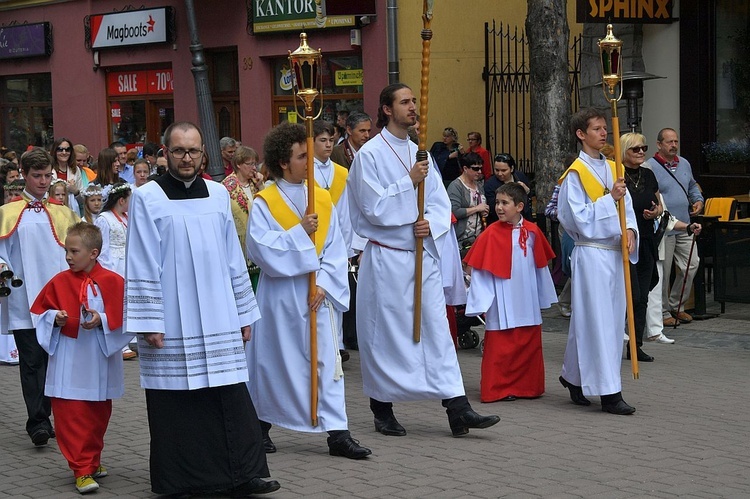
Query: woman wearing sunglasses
column 468, row 203
column 644, row 190
column 64, row 167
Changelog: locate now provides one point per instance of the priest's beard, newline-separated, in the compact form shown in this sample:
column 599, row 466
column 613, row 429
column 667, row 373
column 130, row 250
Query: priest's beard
column 186, row 173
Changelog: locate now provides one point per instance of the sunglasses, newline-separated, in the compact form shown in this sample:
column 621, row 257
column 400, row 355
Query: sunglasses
column 639, row 148
column 476, row 168
column 64, row 149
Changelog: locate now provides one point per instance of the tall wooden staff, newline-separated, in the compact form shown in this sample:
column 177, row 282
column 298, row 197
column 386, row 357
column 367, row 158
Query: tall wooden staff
column 422, row 156
column 305, row 64
column 610, row 49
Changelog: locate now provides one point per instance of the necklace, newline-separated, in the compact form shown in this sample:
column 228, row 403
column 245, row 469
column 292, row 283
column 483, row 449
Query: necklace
column 294, row 205
column 630, row 177
column 408, row 151
column 323, row 175
column 602, row 180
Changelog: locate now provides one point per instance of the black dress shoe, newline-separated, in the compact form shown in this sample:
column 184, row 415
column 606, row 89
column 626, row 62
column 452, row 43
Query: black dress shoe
column 509, row 398
column 576, row 392
column 40, row 437
column 642, row 356
column 347, row 447
column 255, row 486
column 390, row 427
column 268, row 445
column 620, row 407
column 470, row 419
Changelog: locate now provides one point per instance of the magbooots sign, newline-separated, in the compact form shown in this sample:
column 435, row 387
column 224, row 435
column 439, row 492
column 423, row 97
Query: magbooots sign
column 135, row 27
column 294, row 15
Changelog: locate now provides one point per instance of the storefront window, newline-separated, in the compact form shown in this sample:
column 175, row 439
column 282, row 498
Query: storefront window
column 732, row 72
column 140, row 105
column 342, row 87
column 26, row 107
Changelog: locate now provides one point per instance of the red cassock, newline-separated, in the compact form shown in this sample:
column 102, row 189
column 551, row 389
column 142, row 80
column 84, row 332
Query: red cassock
column 512, row 363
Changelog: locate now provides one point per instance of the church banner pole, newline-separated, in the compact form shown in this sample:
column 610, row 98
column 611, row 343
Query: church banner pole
column 422, row 156
column 610, row 49
column 305, row 64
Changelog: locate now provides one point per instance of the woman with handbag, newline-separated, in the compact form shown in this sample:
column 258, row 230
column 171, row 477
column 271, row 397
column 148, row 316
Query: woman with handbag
column 644, row 190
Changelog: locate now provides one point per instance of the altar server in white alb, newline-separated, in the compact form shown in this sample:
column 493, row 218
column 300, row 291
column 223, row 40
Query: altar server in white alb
column 382, row 189
column 32, row 238
column 189, row 300
column 78, row 317
column 278, row 241
column 587, row 210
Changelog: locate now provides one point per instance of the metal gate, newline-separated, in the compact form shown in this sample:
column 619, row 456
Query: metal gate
column 507, row 91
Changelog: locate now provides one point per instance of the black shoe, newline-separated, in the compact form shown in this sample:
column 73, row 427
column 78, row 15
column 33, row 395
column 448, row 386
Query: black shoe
column 620, row 407
column 642, row 356
column 347, row 447
column 470, row 419
column 255, row 486
column 390, row 427
column 344, row 355
column 40, row 437
column 576, row 392
column 509, row 398
column 268, row 445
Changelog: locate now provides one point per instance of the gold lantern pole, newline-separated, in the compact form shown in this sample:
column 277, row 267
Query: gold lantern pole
column 610, row 49
column 305, row 63
column 427, row 6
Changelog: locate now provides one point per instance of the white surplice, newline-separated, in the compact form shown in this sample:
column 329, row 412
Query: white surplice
column 324, row 179
column 383, row 205
column 114, row 236
column 593, row 354
column 8, row 349
column 514, row 302
column 34, row 255
column 172, row 272
column 454, row 286
column 88, row 367
column 278, row 354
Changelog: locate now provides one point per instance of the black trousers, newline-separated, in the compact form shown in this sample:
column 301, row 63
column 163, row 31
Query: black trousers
column 641, row 282
column 32, row 362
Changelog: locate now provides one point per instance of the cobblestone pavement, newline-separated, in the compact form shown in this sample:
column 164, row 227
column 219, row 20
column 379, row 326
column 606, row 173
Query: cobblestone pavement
column 688, row 438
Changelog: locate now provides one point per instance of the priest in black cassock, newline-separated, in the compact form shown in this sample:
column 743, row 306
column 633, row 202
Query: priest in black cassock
column 189, row 300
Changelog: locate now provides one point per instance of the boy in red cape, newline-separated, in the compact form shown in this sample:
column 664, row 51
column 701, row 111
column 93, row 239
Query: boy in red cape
column 78, row 316
column 511, row 282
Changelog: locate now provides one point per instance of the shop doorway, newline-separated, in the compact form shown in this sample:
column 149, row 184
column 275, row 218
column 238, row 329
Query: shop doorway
column 161, row 115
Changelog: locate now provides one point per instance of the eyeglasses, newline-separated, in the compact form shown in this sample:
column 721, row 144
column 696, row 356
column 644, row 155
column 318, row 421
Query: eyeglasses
column 639, row 149
column 476, row 168
column 64, row 149
column 180, row 153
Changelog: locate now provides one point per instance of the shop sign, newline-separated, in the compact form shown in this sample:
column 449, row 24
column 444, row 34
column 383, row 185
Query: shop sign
column 154, row 81
column 116, row 113
column 625, row 11
column 294, row 15
column 134, row 27
column 25, row 40
column 348, row 77
column 286, row 81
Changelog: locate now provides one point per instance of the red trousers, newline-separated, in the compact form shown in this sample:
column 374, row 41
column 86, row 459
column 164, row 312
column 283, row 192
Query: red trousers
column 80, row 426
column 512, row 364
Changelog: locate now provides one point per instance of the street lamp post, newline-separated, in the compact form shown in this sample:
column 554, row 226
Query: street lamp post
column 305, row 63
column 203, row 94
column 610, row 49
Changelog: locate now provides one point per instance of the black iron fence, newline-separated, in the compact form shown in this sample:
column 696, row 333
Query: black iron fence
column 507, row 91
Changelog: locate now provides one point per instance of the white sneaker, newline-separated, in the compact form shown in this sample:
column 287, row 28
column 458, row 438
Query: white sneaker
column 564, row 310
column 661, row 338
